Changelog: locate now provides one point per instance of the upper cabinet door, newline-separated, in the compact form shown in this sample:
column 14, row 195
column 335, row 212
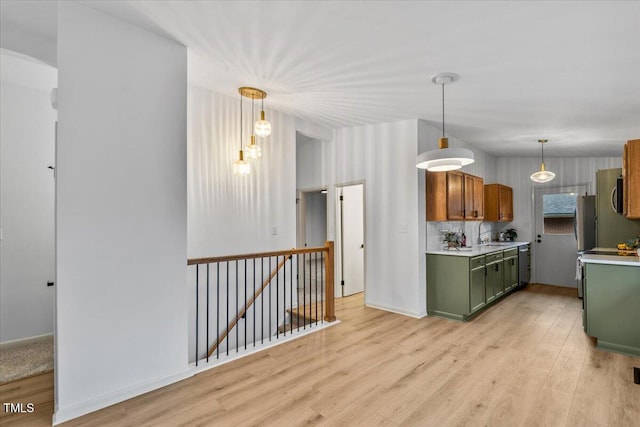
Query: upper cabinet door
column 505, row 202
column 478, row 198
column 631, row 178
column 498, row 203
column 469, row 205
column 455, row 195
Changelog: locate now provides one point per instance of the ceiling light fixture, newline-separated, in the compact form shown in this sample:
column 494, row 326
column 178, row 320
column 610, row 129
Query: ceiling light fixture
column 444, row 158
column 262, row 126
column 241, row 167
column 542, row 175
column 253, row 150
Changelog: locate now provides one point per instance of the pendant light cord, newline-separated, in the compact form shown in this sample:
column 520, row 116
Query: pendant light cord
column 443, row 110
column 240, row 122
column 252, row 111
column 542, row 152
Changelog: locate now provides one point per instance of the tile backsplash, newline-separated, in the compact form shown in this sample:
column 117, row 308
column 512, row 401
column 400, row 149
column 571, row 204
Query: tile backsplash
column 436, row 229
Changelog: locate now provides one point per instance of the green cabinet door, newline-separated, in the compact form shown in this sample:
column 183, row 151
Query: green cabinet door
column 477, row 298
column 494, row 285
column 510, row 266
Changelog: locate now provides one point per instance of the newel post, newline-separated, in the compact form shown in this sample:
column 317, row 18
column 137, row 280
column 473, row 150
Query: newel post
column 329, row 298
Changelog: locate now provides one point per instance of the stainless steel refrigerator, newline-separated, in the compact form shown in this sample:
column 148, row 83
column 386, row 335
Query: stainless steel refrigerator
column 585, row 222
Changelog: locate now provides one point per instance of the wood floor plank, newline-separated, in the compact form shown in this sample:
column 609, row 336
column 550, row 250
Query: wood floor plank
column 523, row 362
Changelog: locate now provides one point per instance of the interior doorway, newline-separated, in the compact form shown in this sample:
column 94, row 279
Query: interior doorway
column 350, row 238
column 555, row 247
column 312, row 218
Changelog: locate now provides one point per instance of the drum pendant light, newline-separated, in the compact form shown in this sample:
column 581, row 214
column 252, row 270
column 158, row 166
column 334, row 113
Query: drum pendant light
column 444, row 158
column 542, row 175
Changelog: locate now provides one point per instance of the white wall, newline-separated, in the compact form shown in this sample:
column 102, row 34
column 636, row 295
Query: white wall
column 383, row 156
column 121, row 321
column 515, row 172
column 27, row 140
column 310, row 163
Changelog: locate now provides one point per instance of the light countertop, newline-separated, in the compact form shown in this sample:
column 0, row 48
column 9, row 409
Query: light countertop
column 631, row 260
column 478, row 249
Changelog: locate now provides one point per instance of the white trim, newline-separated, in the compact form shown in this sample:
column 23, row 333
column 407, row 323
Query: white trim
column 396, row 310
column 26, row 340
column 65, row 414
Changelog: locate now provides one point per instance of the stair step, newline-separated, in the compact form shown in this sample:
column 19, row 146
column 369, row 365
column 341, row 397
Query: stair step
column 293, row 324
column 304, row 315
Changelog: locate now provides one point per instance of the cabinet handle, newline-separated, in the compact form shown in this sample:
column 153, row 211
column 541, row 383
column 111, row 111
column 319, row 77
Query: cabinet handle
column 497, row 268
column 463, row 212
column 513, row 261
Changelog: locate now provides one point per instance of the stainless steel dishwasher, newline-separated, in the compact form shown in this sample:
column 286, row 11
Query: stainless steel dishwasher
column 524, row 265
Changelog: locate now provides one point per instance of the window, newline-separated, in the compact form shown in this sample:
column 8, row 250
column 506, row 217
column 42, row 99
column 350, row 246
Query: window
column 559, row 212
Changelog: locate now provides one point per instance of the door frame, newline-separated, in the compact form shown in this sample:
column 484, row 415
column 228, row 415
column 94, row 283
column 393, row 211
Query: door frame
column 338, row 235
column 532, row 252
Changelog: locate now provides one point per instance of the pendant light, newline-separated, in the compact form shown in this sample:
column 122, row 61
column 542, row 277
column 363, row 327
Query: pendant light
column 444, row 158
column 542, row 175
column 241, row 167
column 262, row 126
column 253, row 150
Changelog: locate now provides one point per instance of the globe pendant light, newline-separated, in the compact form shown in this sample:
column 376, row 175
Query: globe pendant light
column 262, row 126
column 542, row 175
column 253, row 150
column 241, row 167
column 444, row 158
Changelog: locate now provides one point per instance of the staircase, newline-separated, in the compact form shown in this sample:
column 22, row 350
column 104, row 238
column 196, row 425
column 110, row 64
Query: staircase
column 300, row 317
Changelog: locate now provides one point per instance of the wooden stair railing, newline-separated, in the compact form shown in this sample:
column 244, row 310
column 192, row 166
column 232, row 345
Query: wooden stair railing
column 329, row 303
column 248, row 304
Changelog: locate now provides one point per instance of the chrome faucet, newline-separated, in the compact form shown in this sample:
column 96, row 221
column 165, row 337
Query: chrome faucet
column 481, row 233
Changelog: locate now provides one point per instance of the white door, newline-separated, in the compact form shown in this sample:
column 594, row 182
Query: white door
column 554, row 244
column 351, row 214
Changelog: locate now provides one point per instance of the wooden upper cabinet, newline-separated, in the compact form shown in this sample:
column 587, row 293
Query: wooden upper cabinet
column 475, row 210
column 454, row 195
column 631, row 179
column 498, row 203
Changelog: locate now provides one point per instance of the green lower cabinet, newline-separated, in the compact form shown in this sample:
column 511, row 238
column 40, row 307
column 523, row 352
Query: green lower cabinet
column 458, row 286
column 612, row 307
column 510, row 267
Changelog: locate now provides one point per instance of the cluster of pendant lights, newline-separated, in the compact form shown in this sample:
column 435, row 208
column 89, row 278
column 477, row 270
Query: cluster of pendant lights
column 261, row 128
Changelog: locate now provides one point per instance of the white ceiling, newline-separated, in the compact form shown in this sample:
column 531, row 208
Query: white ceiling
column 566, row 71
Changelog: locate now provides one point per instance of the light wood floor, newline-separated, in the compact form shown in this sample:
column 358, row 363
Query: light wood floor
column 523, row 362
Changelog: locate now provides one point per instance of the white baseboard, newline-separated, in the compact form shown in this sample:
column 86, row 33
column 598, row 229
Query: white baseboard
column 396, row 310
column 68, row 413
column 24, row 340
